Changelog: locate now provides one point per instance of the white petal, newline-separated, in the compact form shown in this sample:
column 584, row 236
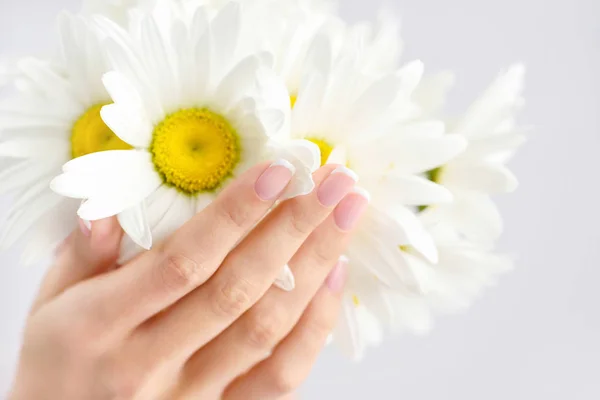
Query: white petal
column 134, row 222
column 136, row 176
column 412, row 190
column 496, row 105
column 225, row 29
column 347, row 332
column 310, row 98
column 117, row 159
column 237, row 83
column 319, row 55
column 432, row 92
column 414, row 233
column 24, row 174
column 28, row 147
column 286, row 280
column 272, row 121
column 481, row 177
column 302, row 156
column 20, row 222
column 126, row 117
column 368, row 109
column 410, row 76
column 375, row 248
column 416, row 154
column 47, row 234
column 474, row 215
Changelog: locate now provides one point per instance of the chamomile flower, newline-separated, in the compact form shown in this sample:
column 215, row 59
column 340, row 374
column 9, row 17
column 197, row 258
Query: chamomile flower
column 366, row 123
column 481, row 170
column 196, row 115
column 54, row 116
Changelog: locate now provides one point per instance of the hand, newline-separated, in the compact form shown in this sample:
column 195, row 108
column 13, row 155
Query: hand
column 197, row 317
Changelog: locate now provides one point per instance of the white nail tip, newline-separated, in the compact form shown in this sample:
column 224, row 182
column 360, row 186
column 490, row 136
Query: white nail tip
column 285, row 164
column 344, row 260
column 362, row 192
column 346, row 171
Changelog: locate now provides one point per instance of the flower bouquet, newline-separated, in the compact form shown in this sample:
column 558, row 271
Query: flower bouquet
column 150, row 108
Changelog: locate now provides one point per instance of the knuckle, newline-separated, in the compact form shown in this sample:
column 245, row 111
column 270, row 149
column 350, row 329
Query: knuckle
column 266, row 329
column 300, row 222
column 124, row 383
column 284, row 379
column 232, row 298
column 323, row 255
column 232, row 213
column 177, row 271
column 317, row 330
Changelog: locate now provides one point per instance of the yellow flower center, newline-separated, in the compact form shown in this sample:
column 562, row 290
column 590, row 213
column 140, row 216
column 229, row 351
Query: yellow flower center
column 325, row 148
column 90, row 135
column 293, row 99
column 195, row 150
column 356, row 301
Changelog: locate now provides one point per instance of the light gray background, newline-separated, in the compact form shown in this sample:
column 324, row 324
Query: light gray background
column 535, row 336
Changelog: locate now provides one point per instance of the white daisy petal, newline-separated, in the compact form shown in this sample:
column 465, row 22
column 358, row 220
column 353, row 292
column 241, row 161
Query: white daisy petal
column 347, row 332
column 475, row 215
column 134, row 222
column 482, row 176
column 235, row 85
column 225, row 35
column 47, row 234
column 20, row 222
column 414, row 233
column 415, row 191
column 126, row 117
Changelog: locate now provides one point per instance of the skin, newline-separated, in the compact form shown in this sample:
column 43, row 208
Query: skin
column 197, row 317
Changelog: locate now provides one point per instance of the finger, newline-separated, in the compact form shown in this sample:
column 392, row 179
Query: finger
column 159, row 278
column 249, row 270
column 258, row 331
column 87, row 252
column 294, row 358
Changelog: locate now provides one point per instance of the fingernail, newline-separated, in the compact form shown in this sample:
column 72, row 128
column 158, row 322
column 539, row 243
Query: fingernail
column 85, row 227
column 337, row 277
column 274, row 180
column 336, row 186
column 349, row 211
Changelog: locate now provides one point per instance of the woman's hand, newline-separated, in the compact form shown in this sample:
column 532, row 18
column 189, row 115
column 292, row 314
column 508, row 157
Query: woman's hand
column 197, row 317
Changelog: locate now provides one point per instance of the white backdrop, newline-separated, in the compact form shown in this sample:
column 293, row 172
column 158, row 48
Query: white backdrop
column 534, row 336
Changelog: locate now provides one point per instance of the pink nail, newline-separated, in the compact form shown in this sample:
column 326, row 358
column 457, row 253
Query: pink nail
column 85, row 227
column 336, row 186
column 337, row 277
column 274, row 180
column 349, row 211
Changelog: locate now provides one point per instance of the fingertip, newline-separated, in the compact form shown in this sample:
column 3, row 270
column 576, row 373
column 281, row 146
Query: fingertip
column 336, row 281
column 106, row 233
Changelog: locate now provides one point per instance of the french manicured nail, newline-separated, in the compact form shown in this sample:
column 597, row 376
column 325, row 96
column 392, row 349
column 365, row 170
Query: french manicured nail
column 337, row 277
column 85, row 227
column 336, row 186
column 349, row 211
column 274, row 180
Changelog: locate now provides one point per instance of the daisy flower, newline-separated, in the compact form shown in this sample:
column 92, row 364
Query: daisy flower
column 365, row 122
column 53, row 117
column 174, row 91
column 481, row 170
